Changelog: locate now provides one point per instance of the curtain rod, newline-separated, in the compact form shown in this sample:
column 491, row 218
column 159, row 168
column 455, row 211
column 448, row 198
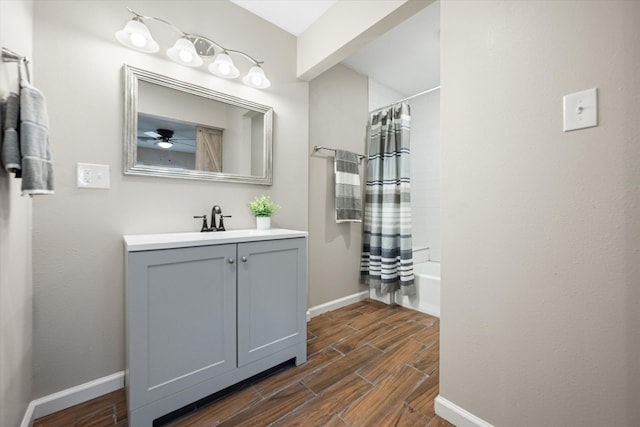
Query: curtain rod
column 424, row 92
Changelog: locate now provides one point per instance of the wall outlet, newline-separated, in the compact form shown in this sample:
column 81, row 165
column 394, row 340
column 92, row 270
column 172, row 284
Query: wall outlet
column 93, row 176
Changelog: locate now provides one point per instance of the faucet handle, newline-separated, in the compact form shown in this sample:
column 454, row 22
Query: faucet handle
column 205, row 227
column 221, row 226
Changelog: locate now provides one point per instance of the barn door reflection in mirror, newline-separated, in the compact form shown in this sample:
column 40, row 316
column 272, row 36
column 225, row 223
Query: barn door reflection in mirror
column 208, row 149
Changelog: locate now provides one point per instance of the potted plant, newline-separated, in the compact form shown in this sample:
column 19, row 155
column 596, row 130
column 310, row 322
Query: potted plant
column 262, row 207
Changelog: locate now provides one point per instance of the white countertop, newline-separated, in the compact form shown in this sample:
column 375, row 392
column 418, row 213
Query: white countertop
column 149, row 242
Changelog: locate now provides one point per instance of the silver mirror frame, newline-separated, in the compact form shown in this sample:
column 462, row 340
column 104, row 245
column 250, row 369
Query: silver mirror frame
column 133, row 75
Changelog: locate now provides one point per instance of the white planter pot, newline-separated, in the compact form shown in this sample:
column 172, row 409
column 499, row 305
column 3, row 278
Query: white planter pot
column 263, row 222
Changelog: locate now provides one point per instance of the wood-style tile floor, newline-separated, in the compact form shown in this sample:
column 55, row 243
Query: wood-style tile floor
column 368, row 364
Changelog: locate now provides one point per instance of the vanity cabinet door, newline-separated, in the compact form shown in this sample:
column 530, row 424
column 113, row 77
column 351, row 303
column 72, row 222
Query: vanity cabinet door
column 272, row 296
column 182, row 320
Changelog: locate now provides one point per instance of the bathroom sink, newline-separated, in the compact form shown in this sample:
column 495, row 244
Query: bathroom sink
column 146, row 242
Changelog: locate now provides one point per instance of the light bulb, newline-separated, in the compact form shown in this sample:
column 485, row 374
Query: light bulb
column 185, row 55
column 136, row 35
column 138, row 40
column 256, row 78
column 224, row 68
column 165, row 144
column 183, row 52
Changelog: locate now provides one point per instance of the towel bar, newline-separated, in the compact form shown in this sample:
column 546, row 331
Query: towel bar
column 320, row 147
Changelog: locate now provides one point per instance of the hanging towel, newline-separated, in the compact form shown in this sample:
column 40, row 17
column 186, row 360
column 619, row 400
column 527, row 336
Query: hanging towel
column 37, row 167
column 348, row 198
column 3, row 112
column 10, row 138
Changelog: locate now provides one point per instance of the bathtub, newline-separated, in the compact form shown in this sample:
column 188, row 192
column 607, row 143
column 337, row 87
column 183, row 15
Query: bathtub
column 427, row 279
column 427, row 297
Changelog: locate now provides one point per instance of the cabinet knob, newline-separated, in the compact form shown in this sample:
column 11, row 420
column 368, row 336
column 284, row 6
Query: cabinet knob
column 244, row 259
column 231, row 260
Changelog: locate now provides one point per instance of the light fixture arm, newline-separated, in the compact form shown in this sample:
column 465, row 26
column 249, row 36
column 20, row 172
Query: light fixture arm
column 204, row 45
column 153, row 18
column 237, row 52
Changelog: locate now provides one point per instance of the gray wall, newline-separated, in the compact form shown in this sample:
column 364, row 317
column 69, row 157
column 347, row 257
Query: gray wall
column 337, row 119
column 541, row 228
column 77, row 249
column 16, row 33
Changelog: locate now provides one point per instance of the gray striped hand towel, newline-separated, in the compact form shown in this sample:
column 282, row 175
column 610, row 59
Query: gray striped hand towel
column 11, row 158
column 348, row 193
column 37, row 167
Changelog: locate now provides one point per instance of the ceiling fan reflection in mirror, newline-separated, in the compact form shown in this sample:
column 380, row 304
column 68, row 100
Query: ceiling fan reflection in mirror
column 164, row 138
column 161, row 133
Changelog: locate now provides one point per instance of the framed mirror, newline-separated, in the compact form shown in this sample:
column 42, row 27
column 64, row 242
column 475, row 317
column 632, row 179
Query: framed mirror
column 179, row 130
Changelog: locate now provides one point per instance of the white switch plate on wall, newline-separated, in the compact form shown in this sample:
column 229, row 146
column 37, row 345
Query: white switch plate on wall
column 580, row 109
column 93, row 176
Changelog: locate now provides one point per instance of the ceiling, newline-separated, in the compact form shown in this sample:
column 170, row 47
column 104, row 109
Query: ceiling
column 292, row 16
column 406, row 58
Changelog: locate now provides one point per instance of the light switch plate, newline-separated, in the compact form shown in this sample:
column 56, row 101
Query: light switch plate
column 93, row 176
column 580, row 109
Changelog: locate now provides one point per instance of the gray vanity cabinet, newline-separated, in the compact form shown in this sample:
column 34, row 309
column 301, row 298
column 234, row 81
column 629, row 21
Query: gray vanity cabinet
column 180, row 319
column 202, row 318
column 269, row 298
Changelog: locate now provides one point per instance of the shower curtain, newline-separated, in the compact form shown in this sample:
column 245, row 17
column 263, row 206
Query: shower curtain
column 387, row 259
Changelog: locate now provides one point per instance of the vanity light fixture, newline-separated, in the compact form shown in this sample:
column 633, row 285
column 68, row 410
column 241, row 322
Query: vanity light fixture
column 184, row 52
column 223, row 66
column 256, row 78
column 136, row 35
column 190, row 49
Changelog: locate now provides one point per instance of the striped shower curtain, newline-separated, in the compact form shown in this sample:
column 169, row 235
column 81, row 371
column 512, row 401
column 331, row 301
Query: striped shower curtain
column 387, row 259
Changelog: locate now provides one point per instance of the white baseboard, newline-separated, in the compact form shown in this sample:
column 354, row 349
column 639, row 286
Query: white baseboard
column 335, row 304
column 72, row 396
column 27, row 420
column 457, row 415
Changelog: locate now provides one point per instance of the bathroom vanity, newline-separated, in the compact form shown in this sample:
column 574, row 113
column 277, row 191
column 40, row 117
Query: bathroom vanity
column 205, row 311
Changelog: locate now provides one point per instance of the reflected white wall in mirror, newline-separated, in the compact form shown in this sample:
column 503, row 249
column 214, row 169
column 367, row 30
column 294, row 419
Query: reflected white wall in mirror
column 175, row 129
